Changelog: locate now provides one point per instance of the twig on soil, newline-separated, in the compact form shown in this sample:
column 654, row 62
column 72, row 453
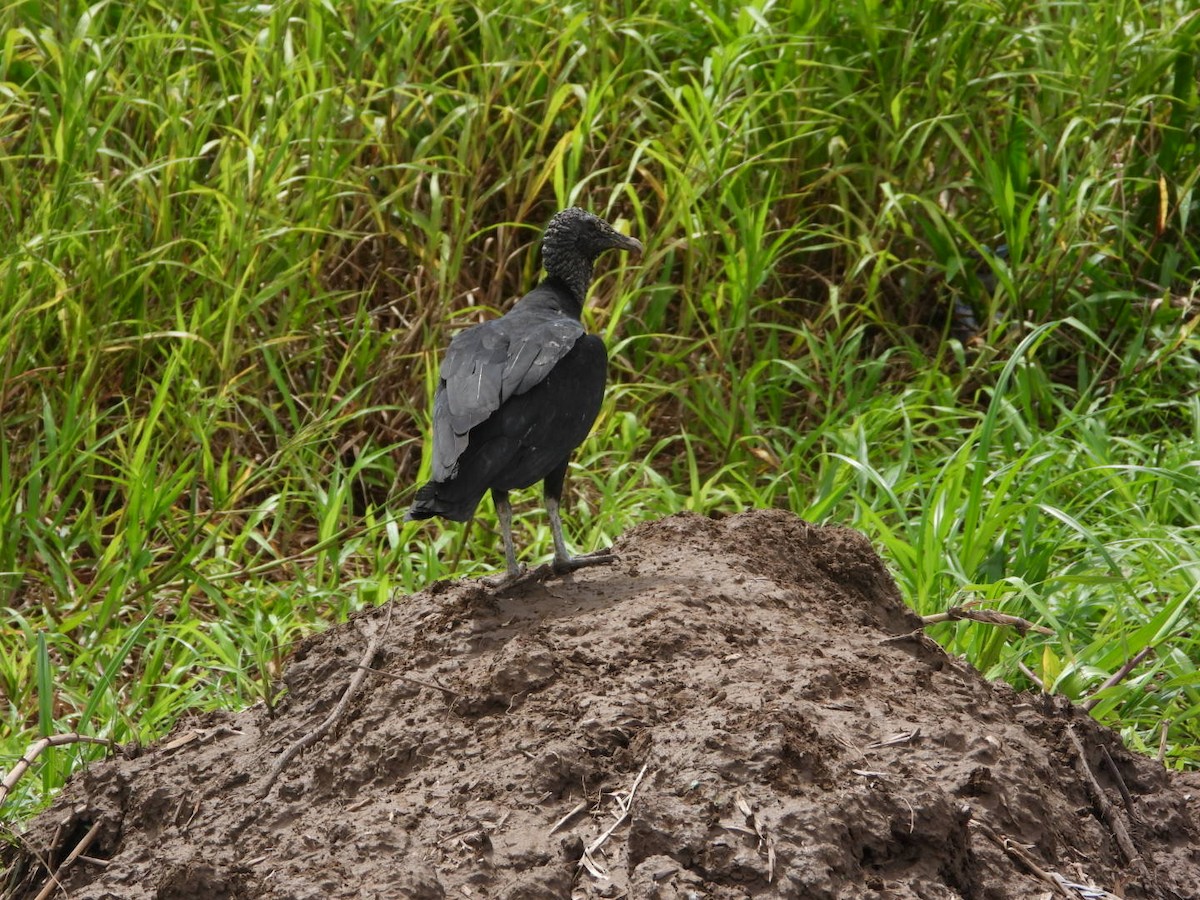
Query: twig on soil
column 54, row 883
column 1126, row 797
column 1032, row 676
column 579, row 807
column 624, row 804
column 760, row 830
column 1117, row 677
column 987, row 617
column 36, row 749
column 918, row 637
column 334, row 717
column 903, row 737
column 1010, row 847
column 1061, row 885
column 417, row 681
column 1164, row 728
column 1108, row 812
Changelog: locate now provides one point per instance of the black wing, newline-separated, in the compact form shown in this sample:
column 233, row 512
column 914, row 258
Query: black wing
column 484, row 367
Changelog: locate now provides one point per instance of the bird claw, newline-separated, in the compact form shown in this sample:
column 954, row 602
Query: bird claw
column 508, row 579
column 603, row 557
column 524, row 575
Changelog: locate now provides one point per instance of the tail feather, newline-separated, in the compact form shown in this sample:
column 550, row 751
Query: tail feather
column 434, row 499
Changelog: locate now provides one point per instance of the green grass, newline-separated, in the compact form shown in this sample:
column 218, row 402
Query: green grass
column 235, row 236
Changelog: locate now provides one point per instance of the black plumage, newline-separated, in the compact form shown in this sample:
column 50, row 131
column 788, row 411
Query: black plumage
column 518, row 394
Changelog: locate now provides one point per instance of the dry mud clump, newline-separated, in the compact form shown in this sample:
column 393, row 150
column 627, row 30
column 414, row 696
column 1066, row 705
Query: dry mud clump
column 743, row 706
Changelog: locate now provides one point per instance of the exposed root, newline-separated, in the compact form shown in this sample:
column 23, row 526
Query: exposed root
column 1109, row 813
column 54, row 882
column 987, row 617
column 360, row 675
column 1117, row 677
column 36, row 749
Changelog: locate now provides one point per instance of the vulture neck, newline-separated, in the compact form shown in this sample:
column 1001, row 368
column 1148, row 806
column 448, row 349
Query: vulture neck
column 575, row 274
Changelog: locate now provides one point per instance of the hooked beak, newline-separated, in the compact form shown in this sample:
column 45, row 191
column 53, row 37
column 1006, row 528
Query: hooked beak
column 623, row 242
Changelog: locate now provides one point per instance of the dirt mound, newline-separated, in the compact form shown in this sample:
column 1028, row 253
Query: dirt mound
column 743, row 706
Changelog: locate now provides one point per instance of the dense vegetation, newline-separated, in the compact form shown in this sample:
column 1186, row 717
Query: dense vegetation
column 235, row 236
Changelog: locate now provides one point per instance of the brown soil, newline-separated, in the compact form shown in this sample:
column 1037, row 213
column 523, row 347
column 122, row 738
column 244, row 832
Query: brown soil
column 794, row 733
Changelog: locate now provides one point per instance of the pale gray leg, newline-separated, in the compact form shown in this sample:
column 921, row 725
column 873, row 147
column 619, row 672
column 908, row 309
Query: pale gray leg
column 514, row 571
column 561, row 555
column 563, row 560
column 504, row 512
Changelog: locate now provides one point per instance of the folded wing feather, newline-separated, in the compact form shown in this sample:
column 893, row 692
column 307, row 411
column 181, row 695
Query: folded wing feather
column 485, row 366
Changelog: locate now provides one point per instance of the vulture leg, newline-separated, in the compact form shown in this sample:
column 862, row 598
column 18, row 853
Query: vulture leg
column 563, row 560
column 504, row 514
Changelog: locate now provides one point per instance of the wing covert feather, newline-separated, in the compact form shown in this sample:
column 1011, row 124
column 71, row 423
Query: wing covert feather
column 486, row 365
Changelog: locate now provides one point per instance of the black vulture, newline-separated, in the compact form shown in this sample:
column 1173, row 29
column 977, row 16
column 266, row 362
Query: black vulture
column 516, row 395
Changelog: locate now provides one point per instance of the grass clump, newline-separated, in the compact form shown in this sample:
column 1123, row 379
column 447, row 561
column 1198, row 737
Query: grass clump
column 235, row 237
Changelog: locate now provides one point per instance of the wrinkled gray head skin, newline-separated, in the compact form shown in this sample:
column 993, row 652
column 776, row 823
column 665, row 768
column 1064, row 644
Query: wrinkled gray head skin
column 571, row 243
